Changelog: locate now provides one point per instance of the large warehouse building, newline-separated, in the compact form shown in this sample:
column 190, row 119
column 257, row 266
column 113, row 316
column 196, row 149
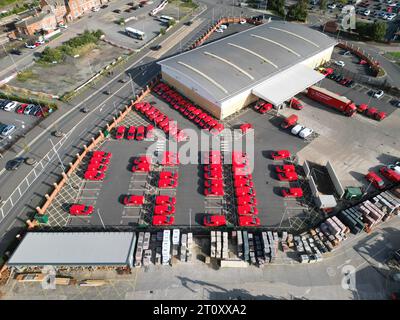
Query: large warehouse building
column 273, row 61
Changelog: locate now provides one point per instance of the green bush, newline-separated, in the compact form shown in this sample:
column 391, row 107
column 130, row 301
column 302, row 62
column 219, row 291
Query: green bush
column 375, row 31
column 12, row 96
column 52, row 54
column 298, row 11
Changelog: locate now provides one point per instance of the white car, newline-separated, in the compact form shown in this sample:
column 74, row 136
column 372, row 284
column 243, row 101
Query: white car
column 367, row 12
column 332, row 6
column 340, row 63
column 378, row 94
column 242, row 21
column 95, row 9
column 10, row 106
column 219, row 30
column 305, row 132
column 223, row 26
column 391, row 16
column 7, row 130
column 296, row 129
column 41, row 41
column 30, row 46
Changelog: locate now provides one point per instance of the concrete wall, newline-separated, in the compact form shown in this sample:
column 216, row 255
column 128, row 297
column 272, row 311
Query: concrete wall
column 318, row 59
column 189, row 93
column 236, row 103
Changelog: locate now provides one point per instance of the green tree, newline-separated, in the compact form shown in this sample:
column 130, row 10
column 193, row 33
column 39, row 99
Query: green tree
column 378, row 30
column 298, row 11
column 171, row 22
column 49, row 55
column 162, row 31
column 323, row 5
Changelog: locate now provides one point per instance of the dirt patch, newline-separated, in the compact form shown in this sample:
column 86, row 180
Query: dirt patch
column 60, row 78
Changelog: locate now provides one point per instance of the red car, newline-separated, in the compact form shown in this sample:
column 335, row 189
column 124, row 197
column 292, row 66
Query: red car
column 94, row 175
column 164, row 209
column 131, row 133
column 295, row 104
column 21, row 108
column 214, row 183
column 241, row 201
column 119, row 133
column 288, row 176
column 246, row 127
column 265, row 108
column 242, row 171
column 285, row 168
column 214, row 191
column 142, row 159
column 140, row 133
column 292, row 192
column 160, row 118
column 167, row 183
column 168, row 175
column 160, row 220
column 213, row 167
column 214, row 220
column 362, row 108
column 213, row 175
column 141, row 167
column 99, row 161
column 97, row 167
column 247, row 209
column 132, row 200
column 375, row 180
column 249, row 221
column 245, row 191
column 80, row 210
column 154, row 115
column 101, row 154
column 165, row 200
column 390, row 174
column 280, row 154
column 243, row 183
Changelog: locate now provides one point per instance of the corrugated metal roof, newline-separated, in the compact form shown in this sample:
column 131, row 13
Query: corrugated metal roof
column 74, row 248
column 295, row 80
column 248, row 58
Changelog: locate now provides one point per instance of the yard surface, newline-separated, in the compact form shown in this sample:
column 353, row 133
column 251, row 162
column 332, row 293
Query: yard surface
column 59, row 78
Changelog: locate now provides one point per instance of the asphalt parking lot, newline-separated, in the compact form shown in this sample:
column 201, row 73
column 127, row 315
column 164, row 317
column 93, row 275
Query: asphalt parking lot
column 351, row 62
column 19, row 120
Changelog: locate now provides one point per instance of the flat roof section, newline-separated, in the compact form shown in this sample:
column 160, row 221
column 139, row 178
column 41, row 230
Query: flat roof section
column 246, row 59
column 287, row 84
column 75, row 249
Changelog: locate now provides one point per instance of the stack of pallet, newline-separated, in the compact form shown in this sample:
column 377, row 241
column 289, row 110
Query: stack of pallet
column 189, row 257
column 225, row 245
column 175, row 242
column 266, row 246
column 352, row 218
column 139, row 250
column 246, row 251
column 213, row 251
column 159, row 239
column 166, row 247
column 273, row 240
column 240, row 245
column 218, row 252
column 290, row 243
column 259, row 250
column 252, row 253
column 284, row 242
column 183, row 249
column 147, row 258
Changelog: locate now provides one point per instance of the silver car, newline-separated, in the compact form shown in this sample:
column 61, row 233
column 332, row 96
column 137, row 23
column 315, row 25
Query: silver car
column 7, row 130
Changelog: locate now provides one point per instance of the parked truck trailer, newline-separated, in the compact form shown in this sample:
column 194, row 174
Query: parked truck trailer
column 331, row 99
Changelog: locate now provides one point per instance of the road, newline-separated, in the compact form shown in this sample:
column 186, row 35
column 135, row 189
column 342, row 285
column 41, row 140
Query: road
column 82, row 127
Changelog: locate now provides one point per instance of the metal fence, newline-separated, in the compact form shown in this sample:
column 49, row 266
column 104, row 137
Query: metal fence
column 30, row 178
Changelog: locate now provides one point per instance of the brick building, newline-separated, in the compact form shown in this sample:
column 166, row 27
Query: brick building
column 77, row 8
column 40, row 22
column 58, row 7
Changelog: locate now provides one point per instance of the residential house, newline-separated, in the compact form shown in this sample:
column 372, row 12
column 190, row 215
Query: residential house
column 77, row 8
column 58, row 7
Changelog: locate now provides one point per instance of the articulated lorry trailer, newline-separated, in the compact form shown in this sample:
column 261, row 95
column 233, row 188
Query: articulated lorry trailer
column 340, row 103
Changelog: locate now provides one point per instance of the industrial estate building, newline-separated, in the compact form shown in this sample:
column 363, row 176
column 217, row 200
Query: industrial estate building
column 273, row 61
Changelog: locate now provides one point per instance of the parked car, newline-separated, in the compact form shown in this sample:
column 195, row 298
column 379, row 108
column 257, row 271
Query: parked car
column 16, row 51
column 167, row 183
column 15, row 163
column 164, row 199
column 94, row 175
column 10, row 106
column 285, row 168
column 249, row 221
column 296, row 104
column 7, row 130
column 119, row 134
column 340, row 63
column 131, row 133
column 117, row 11
column 288, row 176
column 296, row 129
column 30, row 46
column 101, row 154
column 99, row 161
column 280, row 154
column 164, row 209
column 80, row 210
column 376, row 180
column 305, row 133
column 390, row 174
column 292, row 192
column 133, row 200
column 378, row 94
column 95, row 166
column 29, row 108
column 21, row 108
column 214, row 220
column 140, row 133
column 214, row 191
column 160, row 220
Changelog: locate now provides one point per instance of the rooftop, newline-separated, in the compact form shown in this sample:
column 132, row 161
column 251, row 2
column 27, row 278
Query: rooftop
column 238, row 62
column 74, row 248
